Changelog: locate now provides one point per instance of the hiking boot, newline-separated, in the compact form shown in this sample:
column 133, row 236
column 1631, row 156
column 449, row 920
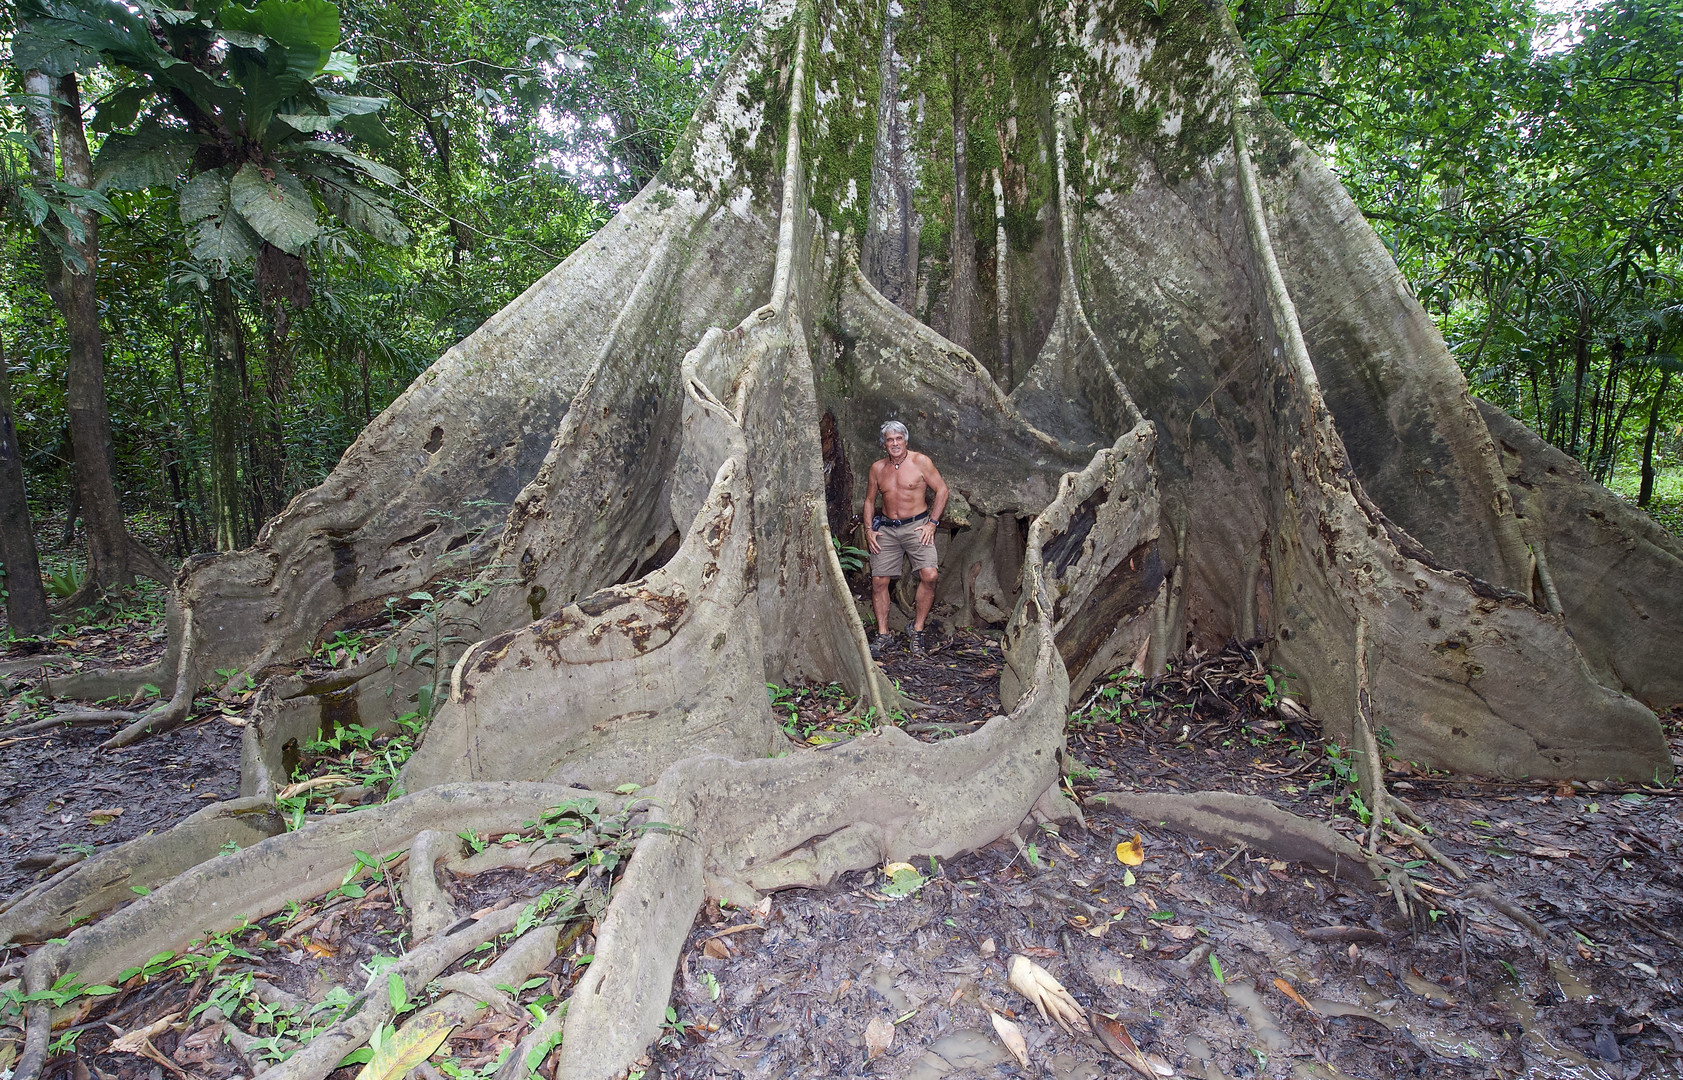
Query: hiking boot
column 880, row 644
column 914, row 642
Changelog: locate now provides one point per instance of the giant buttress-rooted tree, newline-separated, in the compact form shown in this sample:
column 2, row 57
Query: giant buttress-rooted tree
column 1182, row 395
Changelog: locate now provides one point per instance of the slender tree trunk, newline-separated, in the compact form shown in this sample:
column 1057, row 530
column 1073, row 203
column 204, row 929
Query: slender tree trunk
column 1002, row 281
column 1552, row 377
column 1610, row 445
column 55, row 112
column 961, row 314
column 26, row 601
column 1537, row 420
column 1613, row 419
column 227, row 358
column 1581, row 361
column 367, row 398
column 187, row 438
column 1646, row 493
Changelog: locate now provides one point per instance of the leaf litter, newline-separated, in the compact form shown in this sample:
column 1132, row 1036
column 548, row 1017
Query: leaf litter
column 1181, row 961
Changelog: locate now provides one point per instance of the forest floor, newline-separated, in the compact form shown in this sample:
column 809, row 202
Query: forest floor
column 1218, row 962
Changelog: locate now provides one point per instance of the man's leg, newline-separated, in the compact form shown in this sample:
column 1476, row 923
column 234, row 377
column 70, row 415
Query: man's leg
column 879, row 601
column 925, row 595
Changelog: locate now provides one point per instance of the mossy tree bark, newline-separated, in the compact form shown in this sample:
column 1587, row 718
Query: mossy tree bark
column 1230, row 419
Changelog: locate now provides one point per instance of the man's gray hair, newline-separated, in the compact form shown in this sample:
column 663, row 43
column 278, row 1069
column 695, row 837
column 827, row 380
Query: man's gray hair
column 894, row 427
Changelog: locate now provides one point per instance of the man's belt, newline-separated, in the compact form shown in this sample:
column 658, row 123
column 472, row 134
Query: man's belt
column 880, row 521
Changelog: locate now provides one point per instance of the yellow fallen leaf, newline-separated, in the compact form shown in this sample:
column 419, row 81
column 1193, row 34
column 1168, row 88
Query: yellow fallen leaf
column 890, row 869
column 320, row 951
column 1287, row 989
column 408, row 1048
column 1131, row 852
column 1012, row 1036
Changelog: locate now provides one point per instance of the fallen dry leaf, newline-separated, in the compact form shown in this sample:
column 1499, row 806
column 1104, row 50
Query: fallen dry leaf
column 1131, row 852
column 1287, row 989
column 412, row 1045
column 988, row 948
column 105, row 814
column 1012, row 1036
column 320, row 951
column 130, row 1042
column 1179, row 933
column 715, row 948
column 879, row 1036
column 1067, row 850
column 1546, row 852
column 1048, row 994
column 1115, row 1038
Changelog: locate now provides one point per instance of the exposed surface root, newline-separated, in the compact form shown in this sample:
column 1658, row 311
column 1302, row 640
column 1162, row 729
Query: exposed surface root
column 147, row 862
column 1226, row 818
column 430, row 909
column 416, row 968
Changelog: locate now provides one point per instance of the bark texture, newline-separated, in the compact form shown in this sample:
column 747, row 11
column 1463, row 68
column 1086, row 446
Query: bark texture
column 1229, row 419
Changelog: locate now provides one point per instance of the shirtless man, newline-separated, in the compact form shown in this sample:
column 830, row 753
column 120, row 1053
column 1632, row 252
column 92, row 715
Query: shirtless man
column 905, row 529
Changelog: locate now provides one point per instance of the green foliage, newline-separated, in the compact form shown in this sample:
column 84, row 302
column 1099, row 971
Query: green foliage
column 852, row 559
column 495, row 165
column 1519, row 161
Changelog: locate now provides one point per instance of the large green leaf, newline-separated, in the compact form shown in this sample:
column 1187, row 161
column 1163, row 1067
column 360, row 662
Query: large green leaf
column 118, row 110
column 204, row 196
column 385, row 174
column 216, row 233
column 225, row 242
column 276, row 205
column 306, row 29
column 339, row 106
column 148, row 158
column 358, row 207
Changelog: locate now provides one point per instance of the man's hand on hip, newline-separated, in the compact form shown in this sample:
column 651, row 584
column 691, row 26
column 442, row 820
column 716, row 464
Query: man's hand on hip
column 926, row 532
column 871, row 541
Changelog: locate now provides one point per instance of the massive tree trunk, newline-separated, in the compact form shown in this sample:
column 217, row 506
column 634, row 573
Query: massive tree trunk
column 1232, row 420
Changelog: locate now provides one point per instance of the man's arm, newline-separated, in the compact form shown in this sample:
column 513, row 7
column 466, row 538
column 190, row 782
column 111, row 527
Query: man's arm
column 870, row 509
column 937, row 488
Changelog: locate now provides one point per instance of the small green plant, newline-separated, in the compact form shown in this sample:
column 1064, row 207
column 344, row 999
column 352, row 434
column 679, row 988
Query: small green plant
column 342, row 650
column 62, row 584
column 1274, row 687
column 673, row 1029
column 852, row 559
column 1340, row 768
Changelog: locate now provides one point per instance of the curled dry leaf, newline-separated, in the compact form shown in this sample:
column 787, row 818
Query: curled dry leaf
column 1131, row 852
column 1115, row 1038
column 988, row 948
column 131, row 1042
column 1048, row 995
column 879, row 1036
column 1290, row 991
column 1012, row 1036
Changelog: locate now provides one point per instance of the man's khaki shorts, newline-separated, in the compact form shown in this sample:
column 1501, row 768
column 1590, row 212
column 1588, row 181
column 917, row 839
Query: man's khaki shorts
column 895, row 544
